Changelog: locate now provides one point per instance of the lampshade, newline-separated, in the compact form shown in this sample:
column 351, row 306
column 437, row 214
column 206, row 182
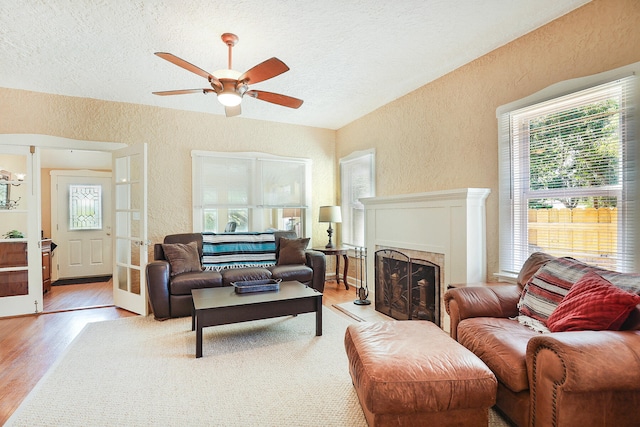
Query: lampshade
column 330, row 214
column 290, row 213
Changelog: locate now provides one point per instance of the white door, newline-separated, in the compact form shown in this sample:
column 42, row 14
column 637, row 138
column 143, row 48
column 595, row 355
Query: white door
column 81, row 222
column 130, row 216
column 21, row 257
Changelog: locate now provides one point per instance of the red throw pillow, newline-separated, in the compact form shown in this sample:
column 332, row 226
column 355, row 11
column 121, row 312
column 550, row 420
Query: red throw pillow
column 592, row 304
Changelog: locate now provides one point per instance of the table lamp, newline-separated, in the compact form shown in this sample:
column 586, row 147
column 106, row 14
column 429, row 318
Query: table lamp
column 291, row 213
column 330, row 214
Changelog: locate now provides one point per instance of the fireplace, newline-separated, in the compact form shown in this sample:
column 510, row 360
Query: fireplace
column 446, row 228
column 407, row 288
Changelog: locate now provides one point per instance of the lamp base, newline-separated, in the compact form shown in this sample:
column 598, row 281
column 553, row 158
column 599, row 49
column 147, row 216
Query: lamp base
column 362, row 302
column 330, row 233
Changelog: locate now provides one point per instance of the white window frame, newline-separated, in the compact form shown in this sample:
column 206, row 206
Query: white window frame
column 256, row 198
column 512, row 255
column 366, row 158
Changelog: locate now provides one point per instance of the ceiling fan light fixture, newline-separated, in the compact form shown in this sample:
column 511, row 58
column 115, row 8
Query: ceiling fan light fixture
column 229, row 98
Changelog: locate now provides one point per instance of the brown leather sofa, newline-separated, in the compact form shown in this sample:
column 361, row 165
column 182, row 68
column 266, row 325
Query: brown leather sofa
column 170, row 296
column 578, row 378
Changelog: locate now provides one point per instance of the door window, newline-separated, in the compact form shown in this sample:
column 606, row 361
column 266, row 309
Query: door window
column 85, row 207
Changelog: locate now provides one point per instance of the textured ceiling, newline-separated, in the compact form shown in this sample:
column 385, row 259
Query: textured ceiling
column 347, row 57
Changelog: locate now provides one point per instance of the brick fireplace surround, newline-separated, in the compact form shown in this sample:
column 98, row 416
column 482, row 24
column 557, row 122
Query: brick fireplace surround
column 451, row 223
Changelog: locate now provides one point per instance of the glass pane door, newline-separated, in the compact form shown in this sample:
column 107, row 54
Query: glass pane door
column 130, row 174
column 20, row 254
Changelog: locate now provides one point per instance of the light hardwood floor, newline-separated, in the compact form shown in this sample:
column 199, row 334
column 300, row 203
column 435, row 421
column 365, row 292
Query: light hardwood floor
column 29, row 345
column 67, row 297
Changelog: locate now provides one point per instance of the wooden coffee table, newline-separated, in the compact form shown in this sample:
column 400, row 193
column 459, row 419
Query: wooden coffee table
column 222, row 306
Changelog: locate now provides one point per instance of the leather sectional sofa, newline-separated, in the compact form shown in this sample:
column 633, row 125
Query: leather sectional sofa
column 576, row 377
column 170, row 293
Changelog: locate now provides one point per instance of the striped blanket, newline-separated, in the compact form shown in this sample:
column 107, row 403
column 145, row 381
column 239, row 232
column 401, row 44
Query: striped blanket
column 237, row 250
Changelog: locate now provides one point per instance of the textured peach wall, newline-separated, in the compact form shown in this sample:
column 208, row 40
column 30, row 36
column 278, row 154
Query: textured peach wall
column 171, row 135
column 444, row 135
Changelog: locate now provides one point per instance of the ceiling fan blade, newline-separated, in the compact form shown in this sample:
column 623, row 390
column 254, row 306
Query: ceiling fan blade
column 232, row 111
column 189, row 67
column 182, row 92
column 264, row 71
column 276, row 98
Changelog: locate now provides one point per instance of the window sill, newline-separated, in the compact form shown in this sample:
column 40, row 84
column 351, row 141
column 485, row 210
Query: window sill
column 506, row 277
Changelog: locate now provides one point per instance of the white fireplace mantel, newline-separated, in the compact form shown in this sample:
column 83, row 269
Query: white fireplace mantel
column 449, row 222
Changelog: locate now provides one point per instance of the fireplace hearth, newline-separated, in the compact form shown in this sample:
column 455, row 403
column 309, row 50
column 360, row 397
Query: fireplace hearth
column 406, row 288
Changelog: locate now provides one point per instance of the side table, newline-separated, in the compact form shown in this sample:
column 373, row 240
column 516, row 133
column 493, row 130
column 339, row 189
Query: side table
column 337, row 252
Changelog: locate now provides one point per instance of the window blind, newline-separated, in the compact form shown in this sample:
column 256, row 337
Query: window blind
column 357, row 180
column 568, row 178
column 251, row 189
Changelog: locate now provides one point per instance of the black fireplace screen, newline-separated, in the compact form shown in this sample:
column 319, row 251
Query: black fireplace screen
column 406, row 288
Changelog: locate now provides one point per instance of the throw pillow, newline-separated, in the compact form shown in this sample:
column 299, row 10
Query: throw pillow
column 183, row 257
column 292, row 251
column 593, row 304
column 548, row 286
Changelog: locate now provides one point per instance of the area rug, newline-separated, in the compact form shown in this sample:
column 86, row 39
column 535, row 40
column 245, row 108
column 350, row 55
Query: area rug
column 141, row 372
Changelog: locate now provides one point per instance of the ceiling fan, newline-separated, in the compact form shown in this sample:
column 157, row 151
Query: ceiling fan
column 231, row 86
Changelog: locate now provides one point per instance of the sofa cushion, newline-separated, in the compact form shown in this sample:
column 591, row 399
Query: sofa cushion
column 593, row 303
column 501, row 343
column 301, row 273
column 546, row 288
column 184, row 238
column 629, row 282
column 535, row 261
column 292, row 251
column 183, row 257
column 247, row 274
column 183, row 283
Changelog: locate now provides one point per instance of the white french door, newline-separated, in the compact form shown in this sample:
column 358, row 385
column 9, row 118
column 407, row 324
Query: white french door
column 21, row 259
column 130, row 240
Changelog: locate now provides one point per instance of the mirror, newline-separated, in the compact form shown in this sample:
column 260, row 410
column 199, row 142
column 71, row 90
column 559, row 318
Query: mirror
column 5, row 177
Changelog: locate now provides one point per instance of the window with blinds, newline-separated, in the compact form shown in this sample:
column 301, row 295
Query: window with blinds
column 252, row 190
column 568, row 178
column 357, row 178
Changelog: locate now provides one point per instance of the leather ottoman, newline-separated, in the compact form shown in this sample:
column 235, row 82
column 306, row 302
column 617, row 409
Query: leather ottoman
column 411, row 373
